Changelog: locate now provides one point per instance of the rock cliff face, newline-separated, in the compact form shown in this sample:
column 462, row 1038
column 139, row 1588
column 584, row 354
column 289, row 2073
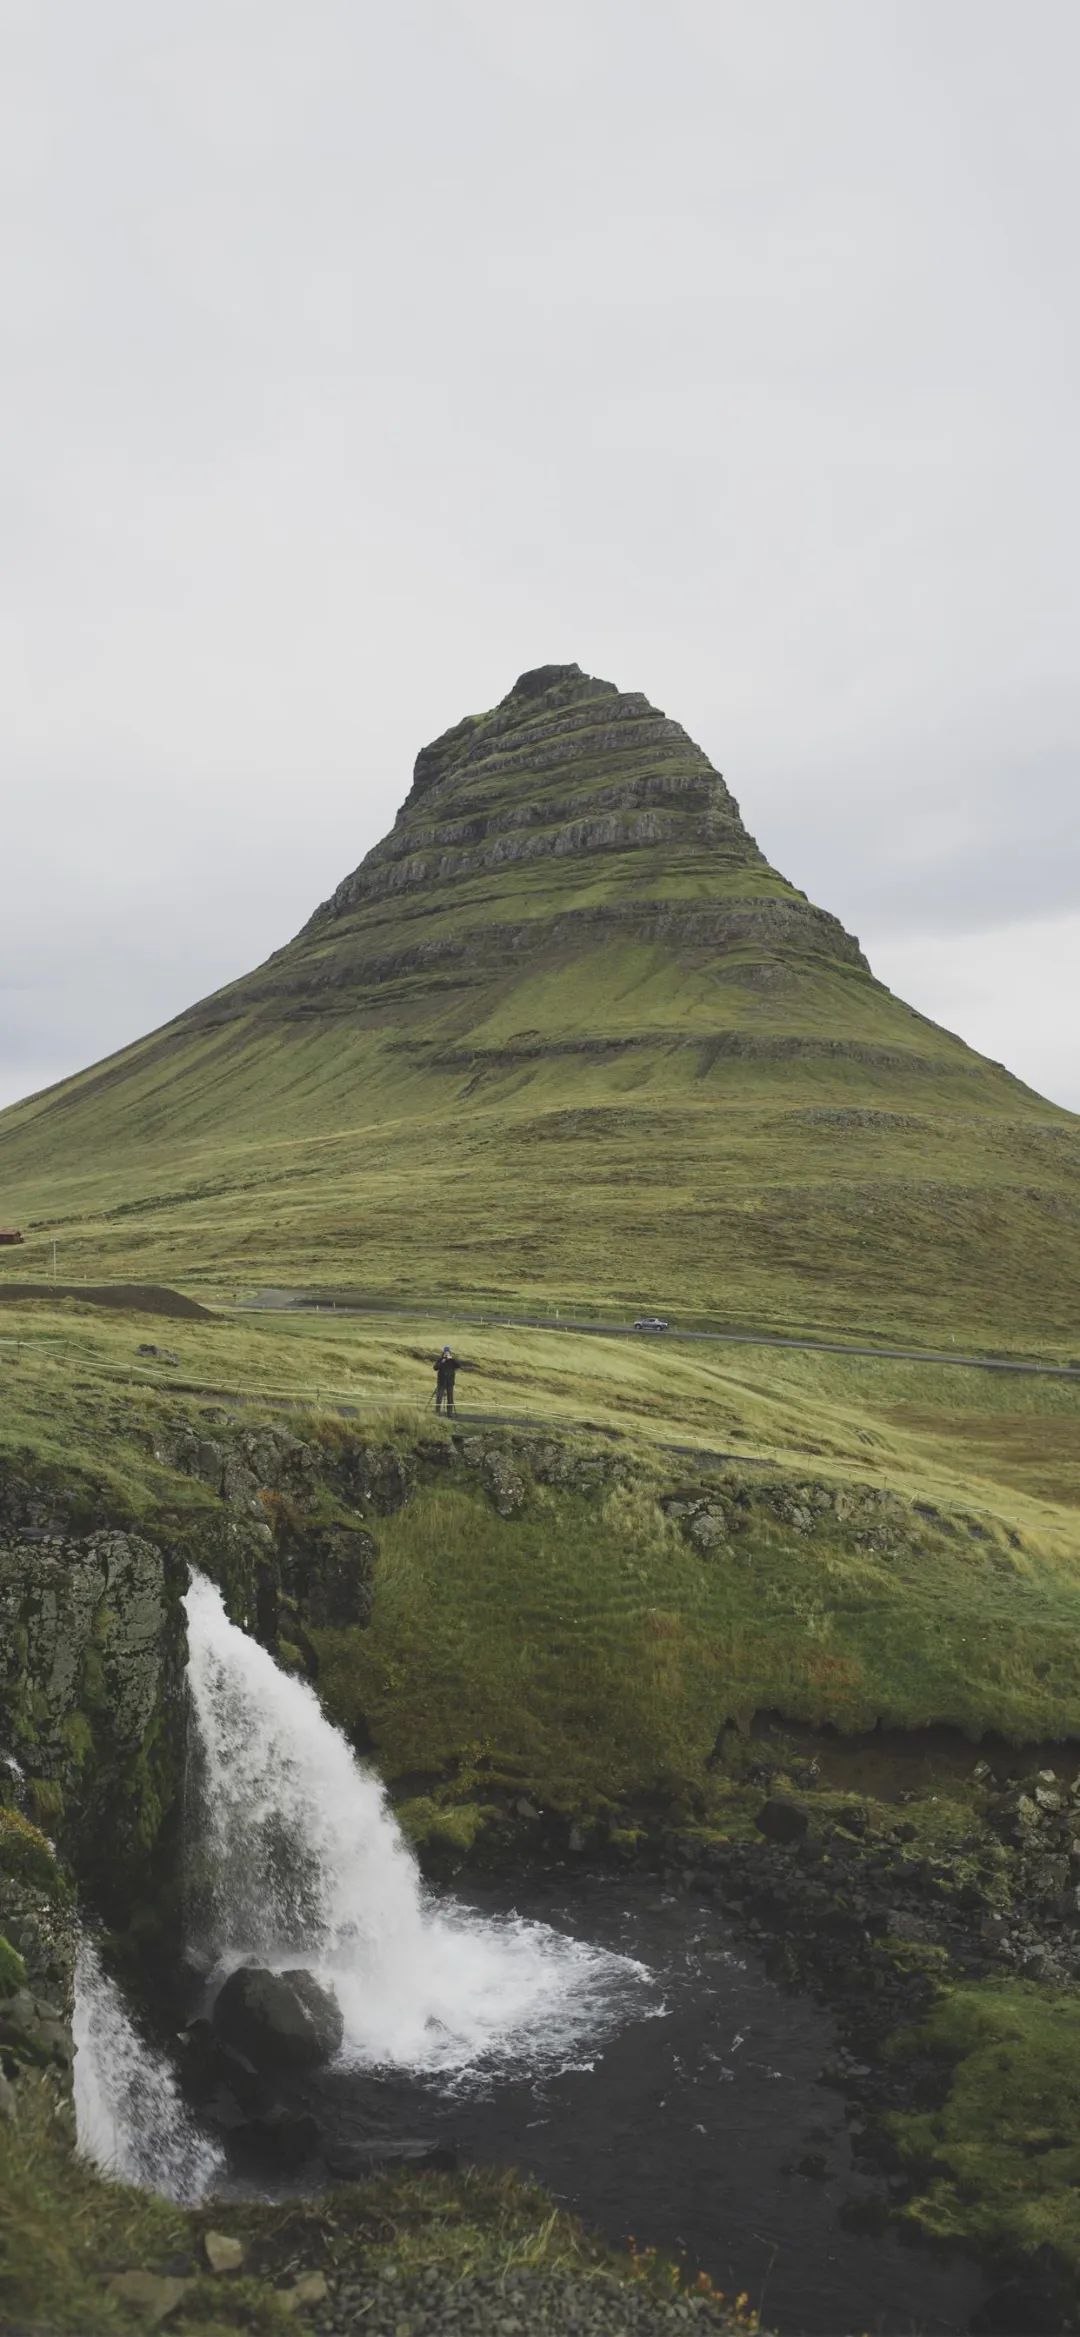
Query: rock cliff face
column 573, row 813
column 91, row 1656
column 39, row 1943
column 92, row 1634
column 483, row 796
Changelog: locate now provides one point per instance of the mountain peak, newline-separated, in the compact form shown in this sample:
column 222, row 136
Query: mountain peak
column 567, row 773
column 540, row 680
column 540, row 693
column 572, row 814
column 565, row 1030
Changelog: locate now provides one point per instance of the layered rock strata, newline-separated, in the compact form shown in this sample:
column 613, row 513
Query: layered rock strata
column 571, row 815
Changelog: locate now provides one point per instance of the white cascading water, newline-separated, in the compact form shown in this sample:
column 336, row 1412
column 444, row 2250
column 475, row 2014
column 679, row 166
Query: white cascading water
column 299, row 1860
column 129, row 2117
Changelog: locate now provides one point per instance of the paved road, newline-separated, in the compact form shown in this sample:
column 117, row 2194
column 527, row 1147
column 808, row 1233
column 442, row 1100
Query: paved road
column 278, row 1301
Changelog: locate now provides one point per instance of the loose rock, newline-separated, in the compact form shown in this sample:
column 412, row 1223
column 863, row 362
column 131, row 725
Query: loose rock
column 310, row 2289
column 223, row 2253
column 154, row 2295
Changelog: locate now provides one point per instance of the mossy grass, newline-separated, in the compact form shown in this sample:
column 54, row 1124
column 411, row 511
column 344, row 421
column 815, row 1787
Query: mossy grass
column 444, row 1825
column 998, row 2162
column 586, row 1650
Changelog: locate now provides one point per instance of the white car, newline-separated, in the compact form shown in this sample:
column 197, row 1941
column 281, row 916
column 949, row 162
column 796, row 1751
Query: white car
column 651, row 1323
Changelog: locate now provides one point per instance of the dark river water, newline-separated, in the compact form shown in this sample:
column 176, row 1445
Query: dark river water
column 687, row 2129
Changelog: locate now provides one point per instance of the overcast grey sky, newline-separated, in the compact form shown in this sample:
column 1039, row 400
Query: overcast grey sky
column 354, row 357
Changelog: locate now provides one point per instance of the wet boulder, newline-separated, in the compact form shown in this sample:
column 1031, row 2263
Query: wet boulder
column 283, row 2020
column 215, row 2073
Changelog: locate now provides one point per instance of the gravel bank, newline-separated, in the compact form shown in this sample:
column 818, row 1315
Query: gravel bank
column 519, row 2304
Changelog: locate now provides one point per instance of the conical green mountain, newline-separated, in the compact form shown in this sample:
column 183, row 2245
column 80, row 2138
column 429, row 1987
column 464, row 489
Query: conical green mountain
column 565, row 1035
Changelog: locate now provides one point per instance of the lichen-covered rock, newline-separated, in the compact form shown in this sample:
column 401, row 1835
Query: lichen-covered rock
column 38, row 1948
column 40, row 1923
column 91, row 1653
column 708, row 1530
column 882, row 1524
column 34, row 2031
column 379, row 1478
column 82, row 1625
column 550, row 1463
column 505, row 1484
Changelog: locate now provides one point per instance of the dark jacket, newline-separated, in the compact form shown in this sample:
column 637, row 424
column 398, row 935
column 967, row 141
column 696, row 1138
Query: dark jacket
column 446, row 1372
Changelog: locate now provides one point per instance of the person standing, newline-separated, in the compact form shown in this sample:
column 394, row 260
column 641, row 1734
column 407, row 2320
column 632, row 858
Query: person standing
column 445, row 1375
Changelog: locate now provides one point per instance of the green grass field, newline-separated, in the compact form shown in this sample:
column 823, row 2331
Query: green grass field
column 907, row 1216
column 1007, row 1441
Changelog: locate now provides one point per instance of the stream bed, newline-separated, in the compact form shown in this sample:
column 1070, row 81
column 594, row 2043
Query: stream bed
column 700, row 2126
column 611, row 2038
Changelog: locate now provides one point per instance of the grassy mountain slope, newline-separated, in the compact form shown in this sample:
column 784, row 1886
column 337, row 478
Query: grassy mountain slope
column 566, row 1035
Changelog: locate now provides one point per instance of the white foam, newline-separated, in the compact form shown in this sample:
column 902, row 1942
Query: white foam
column 297, row 1858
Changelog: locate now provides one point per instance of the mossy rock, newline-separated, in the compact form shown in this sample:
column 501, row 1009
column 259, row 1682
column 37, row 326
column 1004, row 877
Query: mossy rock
column 456, row 1827
column 78, row 1736
column 26, row 1855
column 46, row 1797
column 12, row 1968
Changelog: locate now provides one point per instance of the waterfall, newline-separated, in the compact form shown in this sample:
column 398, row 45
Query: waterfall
column 129, row 2117
column 297, row 1858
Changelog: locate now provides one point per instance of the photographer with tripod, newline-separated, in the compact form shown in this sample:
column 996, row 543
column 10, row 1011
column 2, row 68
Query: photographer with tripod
column 445, row 1374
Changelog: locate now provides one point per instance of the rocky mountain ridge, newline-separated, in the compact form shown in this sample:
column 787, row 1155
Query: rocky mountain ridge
column 470, row 779
column 573, row 772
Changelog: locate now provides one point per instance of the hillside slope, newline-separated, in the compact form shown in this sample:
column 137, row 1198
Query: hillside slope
column 565, row 1034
